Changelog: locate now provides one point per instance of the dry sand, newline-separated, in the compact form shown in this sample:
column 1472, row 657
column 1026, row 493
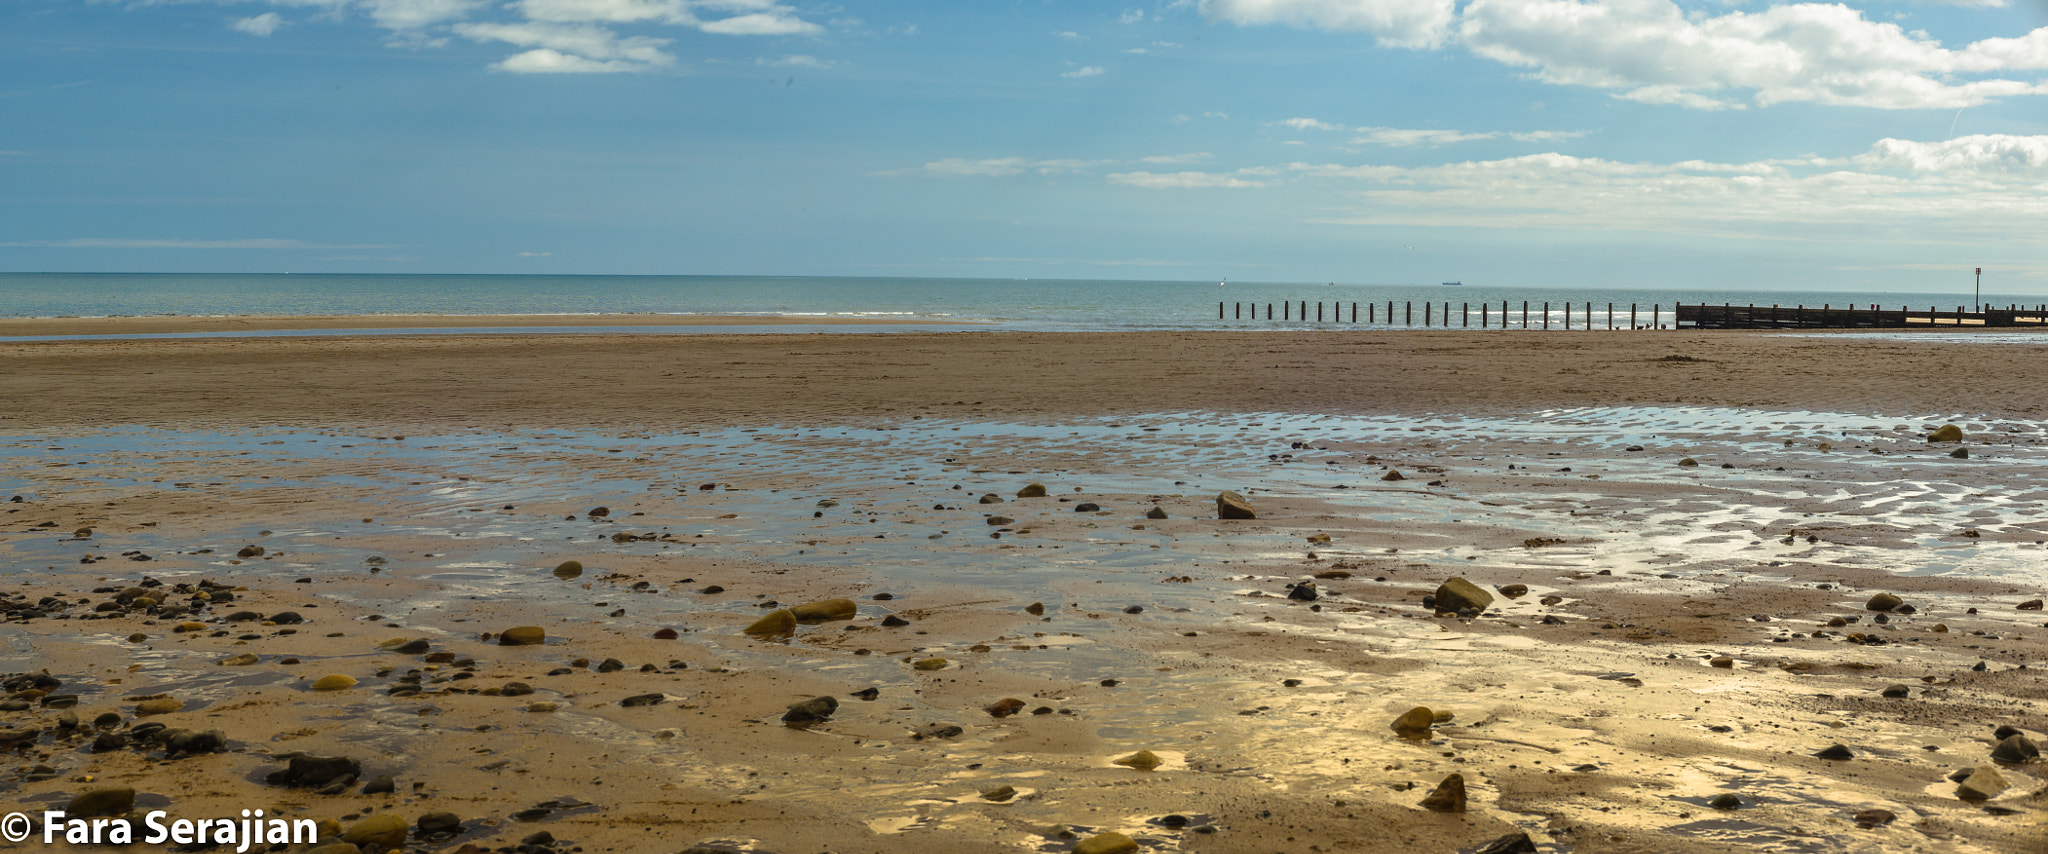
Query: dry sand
column 782, row 469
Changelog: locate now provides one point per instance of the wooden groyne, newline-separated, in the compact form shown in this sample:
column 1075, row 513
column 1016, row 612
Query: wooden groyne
column 1591, row 315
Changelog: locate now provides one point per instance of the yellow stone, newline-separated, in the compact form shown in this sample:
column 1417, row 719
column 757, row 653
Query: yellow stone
column 930, row 664
column 334, row 682
column 523, row 636
column 1415, row 721
column 1143, row 760
column 1947, row 433
column 829, row 609
column 1106, row 843
column 777, row 622
column 159, row 706
column 385, row 829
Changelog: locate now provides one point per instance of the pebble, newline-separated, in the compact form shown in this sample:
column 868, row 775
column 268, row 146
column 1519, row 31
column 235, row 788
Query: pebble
column 929, row 664
column 334, row 682
column 1983, row 783
column 1836, row 752
column 385, row 830
column 1725, row 801
column 1143, row 760
column 114, row 801
column 999, row 794
column 780, row 621
column 1230, row 505
column 2016, row 749
column 1883, row 602
column 1457, row 594
column 1721, row 661
column 1106, row 843
column 829, row 609
column 1157, row 512
column 1035, row 490
column 569, row 569
column 382, row 784
column 1392, row 475
column 1415, row 722
column 1896, row 691
column 436, row 823
column 159, row 706
column 1004, row 708
column 1448, row 796
column 1874, row 818
column 642, row 700
column 522, row 636
column 1513, row 843
column 811, row 710
column 243, row 660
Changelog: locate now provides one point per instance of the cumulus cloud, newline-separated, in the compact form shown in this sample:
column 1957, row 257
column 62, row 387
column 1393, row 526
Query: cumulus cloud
column 417, row 14
column 1131, row 17
column 1398, row 23
column 1310, row 124
column 1177, row 159
column 796, row 60
column 1652, row 51
column 1655, row 52
column 569, row 48
column 1181, row 180
column 260, row 25
column 1086, row 71
column 1963, row 189
column 1405, row 137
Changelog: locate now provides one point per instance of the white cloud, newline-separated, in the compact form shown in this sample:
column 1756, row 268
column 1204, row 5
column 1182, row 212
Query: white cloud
column 775, row 23
column 1181, row 180
column 1086, row 71
column 998, row 167
column 417, row 14
column 172, row 243
column 1966, row 189
column 1309, row 124
column 606, row 11
column 796, row 60
column 1177, row 159
column 1137, row 50
column 1131, row 17
column 261, row 25
column 536, row 254
column 569, row 48
column 1402, row 137
column 1988, row 154
column 1398, row 23
column 1071, row 36
column 1652, row 51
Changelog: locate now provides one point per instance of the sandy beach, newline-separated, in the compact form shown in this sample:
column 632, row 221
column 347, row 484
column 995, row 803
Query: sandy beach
column 1680, row 536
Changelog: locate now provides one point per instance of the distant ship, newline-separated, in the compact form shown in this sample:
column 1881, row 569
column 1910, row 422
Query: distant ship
column 1454, row 284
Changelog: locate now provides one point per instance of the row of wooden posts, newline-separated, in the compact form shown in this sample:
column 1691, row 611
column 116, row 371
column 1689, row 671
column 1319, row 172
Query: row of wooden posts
column 1694, row 316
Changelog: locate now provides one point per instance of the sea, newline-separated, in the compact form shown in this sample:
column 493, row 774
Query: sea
column 1023, row 304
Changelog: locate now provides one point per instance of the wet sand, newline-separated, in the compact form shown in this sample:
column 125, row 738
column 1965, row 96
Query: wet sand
column 1673, row 643
column 277, row 323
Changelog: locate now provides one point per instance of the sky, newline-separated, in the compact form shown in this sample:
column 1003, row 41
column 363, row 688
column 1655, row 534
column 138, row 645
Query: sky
column 1881, row 145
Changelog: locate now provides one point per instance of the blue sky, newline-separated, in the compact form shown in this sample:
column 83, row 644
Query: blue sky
column 1874, row 145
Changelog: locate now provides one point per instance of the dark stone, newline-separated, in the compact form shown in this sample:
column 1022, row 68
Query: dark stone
column 642, row 700
column 381, row 785
column 811, row 710
column 287, row 618
column 1517, row 842
column 2016, row 748
column 439, row 822
column 1836, row 752
column 1303, row 592
column 937, row 731
column 308, row 771
column 412, row 647
column 1087, row 507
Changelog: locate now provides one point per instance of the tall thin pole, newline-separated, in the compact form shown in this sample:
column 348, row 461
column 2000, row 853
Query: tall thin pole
column 1980, row 288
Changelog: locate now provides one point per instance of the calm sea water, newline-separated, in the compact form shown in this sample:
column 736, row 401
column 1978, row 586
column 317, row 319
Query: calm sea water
column 1020, row 303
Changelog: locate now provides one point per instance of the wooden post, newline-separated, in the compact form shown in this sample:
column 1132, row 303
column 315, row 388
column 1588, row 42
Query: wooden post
column 1354, row 311
column 1546, row 314
column 1269, row 311
column 1525, row 314
column 1425, row 314
column 1219, row 309
column 1465, row 315
column 1372, row 312
column 1631, row 315
column 1239, row 311
column 1656, row 320
column 1408, row 308
column 1483, row 307
column 1319, row 311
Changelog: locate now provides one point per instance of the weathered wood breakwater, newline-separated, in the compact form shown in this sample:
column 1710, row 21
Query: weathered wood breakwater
column 1590, row 315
